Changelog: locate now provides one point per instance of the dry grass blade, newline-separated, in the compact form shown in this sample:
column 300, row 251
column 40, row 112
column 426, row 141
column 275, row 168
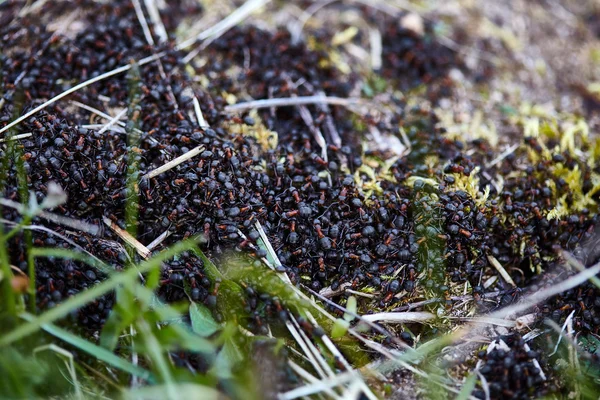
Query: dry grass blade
column 502, row 155
column 399, row 317
column 317, row 354
column 225, row 24
column 113, row 120
column 544, row 294
column 156, row 242
column 311, row 379
column 376, row 48
column 560, row 336
column 201, row 121
column 159, row 27
column 293, row 102
column 16, row 137
column 340, row 357
column 54, row 233
column 325, row 339
column 126, row 236
column 140, row 15
column 317, row 387
column 80, row 86
column 505, row 275
column 487, row 321
column 57, row 219
column 173, row 163
column 305, row 348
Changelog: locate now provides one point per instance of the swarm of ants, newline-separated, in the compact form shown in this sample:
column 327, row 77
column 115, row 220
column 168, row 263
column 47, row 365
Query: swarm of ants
column 409, row 237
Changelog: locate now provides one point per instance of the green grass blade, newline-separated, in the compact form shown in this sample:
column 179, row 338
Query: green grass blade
column 96, row 351
column 127, row 277
column 468, row 387
column 155, row 352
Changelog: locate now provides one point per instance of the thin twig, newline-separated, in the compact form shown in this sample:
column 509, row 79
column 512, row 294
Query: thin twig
column 126, row 236
column 173, row 163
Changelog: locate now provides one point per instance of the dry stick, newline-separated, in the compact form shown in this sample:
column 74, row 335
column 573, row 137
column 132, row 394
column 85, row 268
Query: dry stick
column 293, row 101
column 83, row 84
column 328, row 292
column 126, row 236
column 173, row 163
column 335, row 136
column 318, row 135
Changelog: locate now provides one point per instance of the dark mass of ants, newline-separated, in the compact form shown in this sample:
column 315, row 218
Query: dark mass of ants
column 410, row 237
